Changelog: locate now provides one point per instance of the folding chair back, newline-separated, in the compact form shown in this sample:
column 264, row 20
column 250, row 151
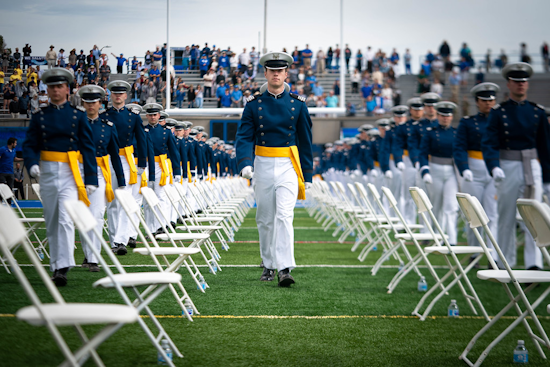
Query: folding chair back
column 536, row 216
column 36, row 189
column 420, row 198
column 472, row 210
column 6, row 192
column 12, row 231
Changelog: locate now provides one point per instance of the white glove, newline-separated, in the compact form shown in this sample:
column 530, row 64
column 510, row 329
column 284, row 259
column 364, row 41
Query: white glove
column 90, row 189
column 389, row 174
column 427, row 178
column 140, row 171
column 400, row 166
column 417, row 165
column 177, row 178
column 151, row 184
column 247, row 172
column 308, row 185
column 498, row 174
column 374, row 173
column 468, row 175
column 366, row 178
column 357, row 172
column 35, row 171
column 346, row 173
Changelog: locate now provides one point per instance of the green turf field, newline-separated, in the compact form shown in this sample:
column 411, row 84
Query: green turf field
column 337, row 313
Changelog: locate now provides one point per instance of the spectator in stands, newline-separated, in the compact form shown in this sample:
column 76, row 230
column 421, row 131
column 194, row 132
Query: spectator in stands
column 43, row 99
column 250, row 73
column 377, row 75
column 75, row 98
column 332, row 100
column 233, row 64
column 92, row 75
column 503, row 59
column 2, row 75
column 480, row 77
column 148, row 60
column 134, row 65
column 488, row 61
column 454, row 82
column 51, row 58
column 359, row 60
column 81, row 58
column 24, row 104
column 105, row 71
column 524, row 56
column 226, row 99
column 34, row 104
column 444, row 50
column 355, row 79
column 464, row 70
column 120, row 60
column 208, row 80
column 180, row 95
column 195, row 54
column 20, row 88
column 90, row 60
column 437, row 67
column 17, row 74
column 427, row 67
column 136, row 91
column 296, row 57
column 154, row 72
column 320, row 63
column 307, row 55
column 220, row 92
column 545, row 57
column 437, row 87
column 408, row 58
column 337, row 56
column 163, row 50
column 317, row 90
column 198, row 97
column 206, row 50
column 336, row 87
column 149, row 93
column 394, row 58
column 466, row 53
column 8, row 95
column 420, row 79
column 387, row 96
column 330, row 55
column 72, row 58
column 27, row 50
column 14, row 107
column 347, row 56
column 17, row 57
column 224, row 61
column 7, row 157
column 254, row 58
column 61, row 56
column 244, row 60
column 203, row 64
column 18, row 176
column 236, row 97
column 96, row 52
column 191, row 95
column 33, row 89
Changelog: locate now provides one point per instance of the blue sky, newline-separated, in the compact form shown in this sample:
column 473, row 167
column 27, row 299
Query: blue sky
column 132, row 27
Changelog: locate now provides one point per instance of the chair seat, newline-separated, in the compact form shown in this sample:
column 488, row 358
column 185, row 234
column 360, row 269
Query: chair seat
column 31, row 220
column 400, row 227
column 198, row 228
column 418, row 236
column 182, row 236
column 444, row 250
column 208, row 219
column 78, row 313
column 138, row 279
column 166, row 251
column 522, row 276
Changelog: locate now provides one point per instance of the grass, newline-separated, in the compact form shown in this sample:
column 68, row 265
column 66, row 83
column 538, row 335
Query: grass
column 333, row 316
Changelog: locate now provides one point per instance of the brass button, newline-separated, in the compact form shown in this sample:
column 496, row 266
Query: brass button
column 259, row 108
column 290, row 127
column 261, row 117
column 101, row 141
column 74, row 125
column 287, row 143
column 292, row 117
column 42, row 119
column 292, row 109
column 262, row 134
column 74, row 117
column 129, row 126
column 43, row 126
column 289, row 134
column 291, row 101
column 72, row 133
column 259, row 101
column 261, row 126
column 71, row 140
column 263, row 142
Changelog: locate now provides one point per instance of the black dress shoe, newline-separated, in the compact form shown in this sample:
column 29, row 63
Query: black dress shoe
column 132, row 242
column 268, row 275
column 121, row 249
column 285, row 279
column 85, row 263
column 93, row 268
column 159, row 231
column 60, row 277
column 262, row 264
column 173, row 224
column 534, row 267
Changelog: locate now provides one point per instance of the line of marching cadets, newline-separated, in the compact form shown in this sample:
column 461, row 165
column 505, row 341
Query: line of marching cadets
column 498, row 155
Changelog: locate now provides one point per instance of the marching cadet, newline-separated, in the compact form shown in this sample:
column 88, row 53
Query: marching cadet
column 278, row 124
column 429, row 100
column 469, row 160
column 129, row 127
column 106, row 145
column 517, row 138
column 404, row 154
column 375, row 174
column 437, row 169
column 164, row 146
column 394, row 176
column 363, row 152
column 55, row 138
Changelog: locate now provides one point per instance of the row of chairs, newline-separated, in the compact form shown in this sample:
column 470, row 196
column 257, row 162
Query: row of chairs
column 357, row 215
column 223, row 204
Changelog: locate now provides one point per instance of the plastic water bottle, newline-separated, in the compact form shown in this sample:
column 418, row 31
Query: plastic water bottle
column 40, row 254
column 214, row 267
column 401, row 266
column 521, row 356
column 166, row 347
column 452, row 311
column 188, row 307
column 374, row 248
column 202, row 283
column 422, row 284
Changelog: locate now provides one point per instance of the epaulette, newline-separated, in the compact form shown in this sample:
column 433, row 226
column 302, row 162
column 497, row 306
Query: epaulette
column 136, row 112
column 415, row 123
column 250, row 98
column 537, row 105
column 80, row 108
column 295, row 96
column 428, row 129
column 109, row 123
column 496, row 107
column 466, row 117
column 146, row 129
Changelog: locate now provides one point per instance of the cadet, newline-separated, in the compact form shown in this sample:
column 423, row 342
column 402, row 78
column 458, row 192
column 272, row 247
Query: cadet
column 107, row 155
column 278, row 123
column 164, row 146
column 375, row 174
column 363, row 151
column 437, row 169
column 129, row 127
column 469, row 160
column 55, row 138
column 518, row 136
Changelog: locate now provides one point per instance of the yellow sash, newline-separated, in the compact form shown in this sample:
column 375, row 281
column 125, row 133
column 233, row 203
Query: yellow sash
column 218, row 168
column 406, row 152
column 103, row 163
column 189, row 172
column 161, row 160
column 127, row 152
column 292, row 153
column 71, row 158
column 476, row 154
column 169, row 164
column 376, row 164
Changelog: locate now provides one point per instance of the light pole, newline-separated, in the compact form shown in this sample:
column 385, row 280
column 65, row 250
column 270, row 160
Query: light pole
column 264, row 51
column 168, row 83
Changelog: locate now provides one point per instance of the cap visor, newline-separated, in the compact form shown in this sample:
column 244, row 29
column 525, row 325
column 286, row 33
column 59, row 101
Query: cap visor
column 91, row 100
column 519, row 79
column 272, row 68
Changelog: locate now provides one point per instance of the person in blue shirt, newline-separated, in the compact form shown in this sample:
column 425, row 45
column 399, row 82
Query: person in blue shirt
column 276, row 128
column 223, row 61
column 194, row 56
column 237, row 97
column 517, row 154
column 307, row 55
column 220, row 92
column 56, row 136
column 120, row 60
column 468, row 158
column 204, row 62
column 107, row 155
column 135, row 63
column 157, row 58
column 154, row 72
column 226, row 99
column 437, row 168
column 7, row 157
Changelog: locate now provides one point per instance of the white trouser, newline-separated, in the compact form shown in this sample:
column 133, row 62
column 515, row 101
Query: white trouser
column 97, row 207
column 508, row 191
column 139, row 199
column 57, row 184
column 483, row 188
column 117, row 220
column 408, row 180
column 150, row 218
column 377, row 181
column 276, row 190
column 395, row 185
column 442, row 194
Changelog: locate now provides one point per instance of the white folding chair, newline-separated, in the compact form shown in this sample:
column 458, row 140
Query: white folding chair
column 58, row 312
column 449, row 253
column 536, row 216
column 86, row 224
column 31, row 224
column 131, row 209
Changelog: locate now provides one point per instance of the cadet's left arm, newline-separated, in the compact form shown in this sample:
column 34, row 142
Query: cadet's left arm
column 543, row 146
column 141, row 139
column 86, row 147
column 113, row 149
column 304, row 140
column 175, row 157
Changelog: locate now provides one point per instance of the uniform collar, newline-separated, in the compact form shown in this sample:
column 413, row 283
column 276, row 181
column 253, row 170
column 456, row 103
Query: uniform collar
column 93, row 120
column 516, row 103
column 116, row 109
column 58, row 107
column 444, row 127
column 276, row 96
